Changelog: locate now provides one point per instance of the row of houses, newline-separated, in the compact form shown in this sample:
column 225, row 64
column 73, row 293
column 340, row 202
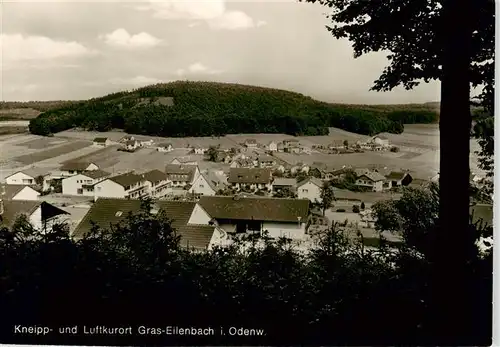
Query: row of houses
column 212, row 220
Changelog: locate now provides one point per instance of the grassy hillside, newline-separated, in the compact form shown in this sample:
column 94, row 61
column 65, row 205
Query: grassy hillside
column 205, row 108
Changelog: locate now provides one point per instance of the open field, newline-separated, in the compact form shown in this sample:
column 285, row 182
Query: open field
column 41, row 143
column 19, row 113
column 33, row 158
column 10, row 130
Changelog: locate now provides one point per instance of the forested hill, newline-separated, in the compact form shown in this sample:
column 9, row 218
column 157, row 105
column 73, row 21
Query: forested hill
column 184, row 108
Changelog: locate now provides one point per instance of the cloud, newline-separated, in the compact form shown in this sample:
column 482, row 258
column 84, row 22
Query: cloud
column 135, row 81
column 213, row 12
column 197, row 68
column 122, row 39
column 23, row 89
column 19, row 48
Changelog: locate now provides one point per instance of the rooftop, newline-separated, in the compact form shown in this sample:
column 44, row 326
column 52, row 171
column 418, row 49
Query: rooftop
column 75, row 166
column 96, row 174
column 250, row 175
column 14, row 208
column 258, row 208
column 187, row 171
column 313, row 180
column 108, row 211
column 155, row 176
column 100, row 139
column 127, row 179
column 284, row 182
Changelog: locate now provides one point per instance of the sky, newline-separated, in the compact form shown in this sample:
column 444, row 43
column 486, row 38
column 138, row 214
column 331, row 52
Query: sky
column 66, row 50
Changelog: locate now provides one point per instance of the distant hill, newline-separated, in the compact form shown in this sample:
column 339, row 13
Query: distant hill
column 184, row 108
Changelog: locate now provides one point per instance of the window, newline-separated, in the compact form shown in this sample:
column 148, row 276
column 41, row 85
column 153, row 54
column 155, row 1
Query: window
column 202, row 186
column 98, row 189
column 305, row 191
column 79, row 191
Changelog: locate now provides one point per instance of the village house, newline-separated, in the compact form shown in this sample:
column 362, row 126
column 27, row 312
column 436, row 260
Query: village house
column 165, row 147
column 320, row 170
column 182, row 175
column 372, row 180
column 208, row 183
column 83, row 183
column 40, row 214
column 310, row 189
column 127, row 138
column 18, row 192
column 272, row 146
column 367, row 219
column 252, row 179
column 291, row 146
column 280, row 147
column 146, row 143
column 242, row 215
column 37, row 177
column 131, row 145
column 128, row 185
column 399, row 179
column 71, row 168
column 242, row 163
column 251, row 143
column 380, row 140
column 101, row 142
column 265, row 161
column 299, row 168
column 303, row 148
column 284, row 183
column 199, row 150
column 158, row 184
column 111, row 211
column 184, row 161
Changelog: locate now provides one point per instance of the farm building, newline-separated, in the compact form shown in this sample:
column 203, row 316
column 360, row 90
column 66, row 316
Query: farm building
column 158, row 184
column 83, row 183
column 241, row 215
column 128, row 185
column 399, row 179
column 110, row 211
column 291, row 146
column 199, row 150
column 310, row 189
column 101, row 142
column 380, row 140
column 184, row 161
column 251, row 143
column 127, row 138
column 242, row 163
column 41, row 214
column 146, row 143
column 71, row 168
column 131, row 145
column 250, row 178
column 165, row 147
column 272, row 146
column 208, row 183
column 182, row 175
column 265, row 160
column 372, row 180
column 282, row 183
column 18, row 192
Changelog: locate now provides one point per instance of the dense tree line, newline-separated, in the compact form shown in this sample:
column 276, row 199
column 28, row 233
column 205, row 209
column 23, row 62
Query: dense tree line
column 136, row 274
column 206, row 109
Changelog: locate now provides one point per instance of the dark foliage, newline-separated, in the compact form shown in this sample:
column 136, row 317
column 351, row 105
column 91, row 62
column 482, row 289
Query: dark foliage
column 207, row 108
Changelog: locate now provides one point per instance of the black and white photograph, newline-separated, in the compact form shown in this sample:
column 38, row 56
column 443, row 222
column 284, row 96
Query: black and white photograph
column 258, row 173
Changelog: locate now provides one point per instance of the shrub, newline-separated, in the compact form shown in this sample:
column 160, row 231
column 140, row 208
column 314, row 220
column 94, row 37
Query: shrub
column 355, row 209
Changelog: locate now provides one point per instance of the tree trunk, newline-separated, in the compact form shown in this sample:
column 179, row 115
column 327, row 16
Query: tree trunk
column 452, row 243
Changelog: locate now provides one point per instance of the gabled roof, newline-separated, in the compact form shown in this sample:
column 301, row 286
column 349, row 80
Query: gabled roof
column 33, row 172
column 14, row 208
column 127, row 179
column 382, row 137
column 313, row 180
column 75, row 165
column 179, row 172
column 285, row 182
column 257, row 208
column 105, row 212
column 253, row 141
column 100, row 139
column 213, row 180
column 250, row 175
column 9, row 191
column 154, row 176
column 373, row 176
column 131, row 142
column 95, row 174
column 184, row 160
column 265, row 158
column 396, row 176
column 165, row 144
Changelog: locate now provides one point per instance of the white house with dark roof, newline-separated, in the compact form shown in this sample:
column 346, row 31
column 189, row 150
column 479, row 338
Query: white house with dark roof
column 372, row 180
column 109, row 211
column 158, row 184
column 250, row 178
column 82, row 184
column 18, row 192
column 310, row 189
column 183, row 161
column 208, row 183
column 128, row 185
column 101, row 142
column 40, row 214
column 398, row 179
column 242, row 215
column 284, row 183
column 131, row 145
column 71, row 168
column 165, row 147
column 272, row 146
column 251, row 143
column 182, row 175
